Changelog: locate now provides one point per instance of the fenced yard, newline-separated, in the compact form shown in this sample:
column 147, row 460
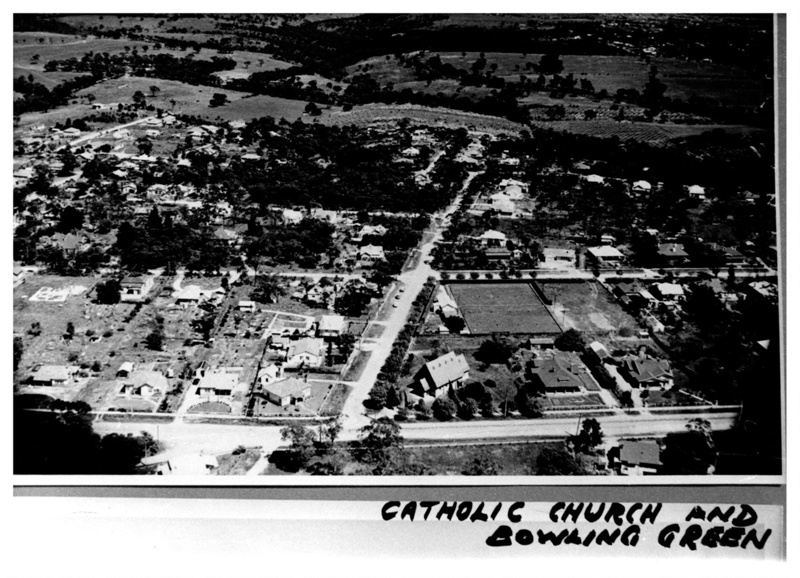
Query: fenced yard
column 503, row 308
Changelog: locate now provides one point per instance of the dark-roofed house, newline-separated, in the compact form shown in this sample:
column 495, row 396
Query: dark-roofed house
column 51, row 375
column 732, row 256
column 436, row 377
column 646, row 372
column 672, row 253
column 144, row 383
column 639, row 458
column 564, row 372
column 287, row 391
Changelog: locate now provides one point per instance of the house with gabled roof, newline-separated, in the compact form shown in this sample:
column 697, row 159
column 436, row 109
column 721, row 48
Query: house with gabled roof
column 436, row 377
column 646, row 372
column 144, row 383
column 330, row 326
column 217, row 383
column 306, row 352
column 371, row 254
column 493, row 239
column 564, row 372
column 672, row 253
column 287, row 391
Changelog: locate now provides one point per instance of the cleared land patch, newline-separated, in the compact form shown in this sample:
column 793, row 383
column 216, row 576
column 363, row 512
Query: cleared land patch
column 503, row 308
column 587, row 306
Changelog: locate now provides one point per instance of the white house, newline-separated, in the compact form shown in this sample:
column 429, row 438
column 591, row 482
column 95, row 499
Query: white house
column 331, row 326
column 51, row 375
column 287, row 391
column 134, row 288
column 144, row 383
column 218, row 384
column 435, row 377
column 605, row 254
column 697, row 192
column 371, row 254
column 306, row 352
column 493, row 239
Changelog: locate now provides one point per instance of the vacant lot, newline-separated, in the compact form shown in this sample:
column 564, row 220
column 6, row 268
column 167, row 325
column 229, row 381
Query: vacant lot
column 335, row 400
column 256, row 107
column 503, row 308
column 512, row 460
column 237, row 464
column 588, row 306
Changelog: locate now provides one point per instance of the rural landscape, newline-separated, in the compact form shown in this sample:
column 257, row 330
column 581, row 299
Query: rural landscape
column 396, row 245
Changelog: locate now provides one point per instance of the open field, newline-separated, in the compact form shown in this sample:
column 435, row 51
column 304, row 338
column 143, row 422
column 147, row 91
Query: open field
column 357, row 368
column 587, row 306
column 654, row 133
column 334, row 402
column 250, row 107
column 512, row 460
column 237, row 464
column 377, row 113
column 503, row 308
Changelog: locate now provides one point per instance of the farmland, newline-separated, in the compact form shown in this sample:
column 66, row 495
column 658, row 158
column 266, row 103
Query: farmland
column 656, row 134
column 503, row 308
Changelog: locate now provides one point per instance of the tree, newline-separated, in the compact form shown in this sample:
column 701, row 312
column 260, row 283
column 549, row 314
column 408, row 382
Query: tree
column 528, row 405
column 267, row 288
column 379, row 439
column 139, row 98
column 346, row 343
column 331, row 463
column 108, row 292
column 692, row 452
column 454, row 324
column 329, row 431
column 570, row 340
column 482, row 465
column 312, row 109
column 590, row 436
column 19, row 348
column 155, row 339
column 218, row 99
column 493, row 352
column 443, row 409
column 467, row 409
column 70, row 330
column 153, row 90
column 69, row 220
column 301, row 448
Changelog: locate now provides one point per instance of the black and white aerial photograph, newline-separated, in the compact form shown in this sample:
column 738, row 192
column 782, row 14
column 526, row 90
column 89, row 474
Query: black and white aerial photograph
column 397, row 245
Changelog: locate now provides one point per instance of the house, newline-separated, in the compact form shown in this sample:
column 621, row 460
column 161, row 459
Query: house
column 279, row 342
column 330, row 326
column 437, row 376
column 632, row 294
column 269, row 373
column 187, row 465
column 599, row 350
column 287, row 391
column 217, row 383
column 731, row 255
column 513, row 189
column 369, row 231
column 371, row 254
column 697, row 192
column 493, row 239
column 248, row 306
column 670, row 291
column 553, row 255
column 605, row 255
column 188, row 295
column 306, row 352
column 607, row 239
column 639, row 458
column 292, row 216
column 672, row 253
column 641, row 187
column 646, row 372
column 497, row 253
column 502, row 203
column 51, row 375
column 144, row 383
column 133, row 288
column 70, row 243
column 595, row 179
column 562, row 373
column 125, row 369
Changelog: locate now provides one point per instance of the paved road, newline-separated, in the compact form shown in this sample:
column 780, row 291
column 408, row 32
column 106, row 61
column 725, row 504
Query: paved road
column 616, row 425
column 354, row 416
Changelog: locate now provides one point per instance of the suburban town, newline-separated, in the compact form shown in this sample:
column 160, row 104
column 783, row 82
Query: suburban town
column 244, row 245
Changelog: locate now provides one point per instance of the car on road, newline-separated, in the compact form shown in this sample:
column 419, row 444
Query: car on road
column 397, row 296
